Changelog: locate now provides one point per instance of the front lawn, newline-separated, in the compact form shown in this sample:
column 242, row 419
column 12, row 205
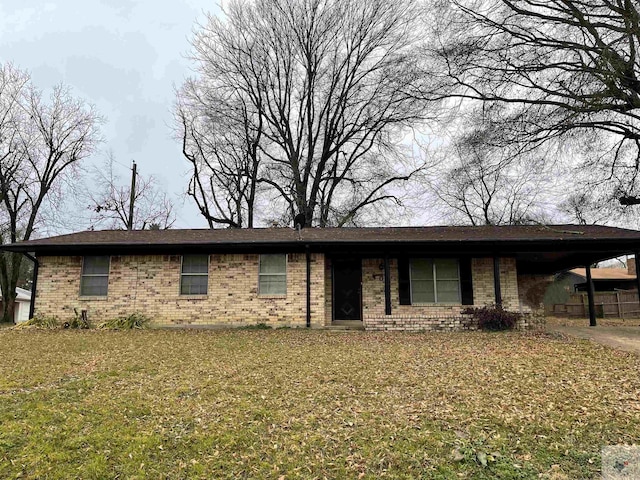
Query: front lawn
column 310, row 404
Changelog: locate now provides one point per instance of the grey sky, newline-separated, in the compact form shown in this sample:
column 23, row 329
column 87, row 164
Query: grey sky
column 124, row 57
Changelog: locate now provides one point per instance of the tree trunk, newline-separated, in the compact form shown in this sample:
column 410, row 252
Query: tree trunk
column 8, row 310
column 9, row 272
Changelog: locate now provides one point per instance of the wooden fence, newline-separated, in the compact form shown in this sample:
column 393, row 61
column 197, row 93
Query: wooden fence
column 618, row 304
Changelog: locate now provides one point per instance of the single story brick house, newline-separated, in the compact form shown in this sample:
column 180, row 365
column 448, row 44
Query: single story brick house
column 396, row 278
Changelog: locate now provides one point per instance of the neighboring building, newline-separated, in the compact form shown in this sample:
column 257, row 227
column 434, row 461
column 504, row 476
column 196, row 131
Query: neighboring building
column 405, row 278
column 605, row 279
column 22, row 304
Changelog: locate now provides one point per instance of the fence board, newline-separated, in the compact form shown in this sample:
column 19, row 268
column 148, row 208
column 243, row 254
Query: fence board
column 619, row 304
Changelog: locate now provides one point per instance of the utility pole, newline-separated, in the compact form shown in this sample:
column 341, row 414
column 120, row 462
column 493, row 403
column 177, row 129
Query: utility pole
column 133, row 196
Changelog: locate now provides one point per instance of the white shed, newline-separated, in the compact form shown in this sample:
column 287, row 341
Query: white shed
column 23, row 302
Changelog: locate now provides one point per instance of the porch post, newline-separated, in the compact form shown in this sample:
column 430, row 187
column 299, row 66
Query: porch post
column 496, row 281
column 387, row 286
column 590, row 295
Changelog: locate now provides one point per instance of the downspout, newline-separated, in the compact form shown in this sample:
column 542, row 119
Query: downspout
column 34, row 283
column 308, row 254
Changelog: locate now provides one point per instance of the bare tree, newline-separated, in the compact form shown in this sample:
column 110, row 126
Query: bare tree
column 598, row 205
column 220, row 139
column 13, row 86
column 482, row 184
column 319, row 93
column 584, row 209
column 110, row 205
column 563, row 70
column 41, row 147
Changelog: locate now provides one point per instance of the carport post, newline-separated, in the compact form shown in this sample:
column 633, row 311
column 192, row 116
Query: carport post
column 637, row 255
column 590, row 294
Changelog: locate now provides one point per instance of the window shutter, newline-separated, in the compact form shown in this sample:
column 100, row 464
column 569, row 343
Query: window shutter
column 404, row 282
column 466, row 283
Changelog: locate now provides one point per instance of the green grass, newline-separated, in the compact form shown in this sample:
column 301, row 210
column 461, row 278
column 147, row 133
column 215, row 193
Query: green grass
column 310, row 404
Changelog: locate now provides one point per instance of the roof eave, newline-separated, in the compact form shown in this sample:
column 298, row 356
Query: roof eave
column 492, row 246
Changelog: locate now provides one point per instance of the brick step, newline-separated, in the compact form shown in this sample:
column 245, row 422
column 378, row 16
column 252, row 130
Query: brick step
column 342, row 328
column 346, row 325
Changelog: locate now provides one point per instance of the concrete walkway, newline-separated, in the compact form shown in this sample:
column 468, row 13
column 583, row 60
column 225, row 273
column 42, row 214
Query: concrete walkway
column 620, row 337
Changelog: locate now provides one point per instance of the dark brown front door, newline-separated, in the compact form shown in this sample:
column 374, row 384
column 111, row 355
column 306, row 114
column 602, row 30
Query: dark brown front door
column 347, row 283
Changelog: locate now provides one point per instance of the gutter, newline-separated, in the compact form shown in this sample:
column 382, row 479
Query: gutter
column 487, row 246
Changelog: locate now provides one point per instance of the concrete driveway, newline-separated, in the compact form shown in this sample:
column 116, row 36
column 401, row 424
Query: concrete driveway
column 620, row 337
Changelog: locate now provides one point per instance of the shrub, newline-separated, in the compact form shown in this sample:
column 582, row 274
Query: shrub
column 41, row 321
column 79, row 320
column 130, row 322
column 494, row 317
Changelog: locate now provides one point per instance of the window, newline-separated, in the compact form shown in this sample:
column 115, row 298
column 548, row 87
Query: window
column 435, row 280
column 272, row 276
column 94, row 280
column 194, row 276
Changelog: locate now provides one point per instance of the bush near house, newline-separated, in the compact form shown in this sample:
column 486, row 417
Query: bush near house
column 310, row 404
column 133, row 321
column 40, row 321
column 494, row 317
column 130, row 322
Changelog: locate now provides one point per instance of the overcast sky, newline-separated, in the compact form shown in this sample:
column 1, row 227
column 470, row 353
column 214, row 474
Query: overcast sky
column 123, row 56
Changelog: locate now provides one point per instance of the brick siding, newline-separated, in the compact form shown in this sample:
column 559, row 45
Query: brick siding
column 150, row 284
column 531, row 289
column 438, row 316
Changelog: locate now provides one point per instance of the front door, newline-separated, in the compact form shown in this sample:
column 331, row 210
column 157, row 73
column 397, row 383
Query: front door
column 347, row 283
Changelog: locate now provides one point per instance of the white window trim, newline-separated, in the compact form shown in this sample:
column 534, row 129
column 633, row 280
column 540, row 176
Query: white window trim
column 435, row 282
column 260, row 274
column 82, row 275
column 194, row 275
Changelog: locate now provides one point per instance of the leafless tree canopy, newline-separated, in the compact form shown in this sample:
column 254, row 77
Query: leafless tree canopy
column 42, row 141
column 220, row 139
column 299, row 107
column 484, row 184
column 110, row 204
column 560, row 69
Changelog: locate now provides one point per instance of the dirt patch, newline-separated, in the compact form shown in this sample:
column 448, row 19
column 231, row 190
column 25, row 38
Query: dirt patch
column 584, row 322
column 621, row 337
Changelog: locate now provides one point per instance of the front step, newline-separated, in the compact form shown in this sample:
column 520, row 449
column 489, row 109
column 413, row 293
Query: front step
column 346, row 325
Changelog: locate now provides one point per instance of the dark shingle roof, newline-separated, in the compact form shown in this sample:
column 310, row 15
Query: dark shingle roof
column 537, row 249
column 337, row 236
